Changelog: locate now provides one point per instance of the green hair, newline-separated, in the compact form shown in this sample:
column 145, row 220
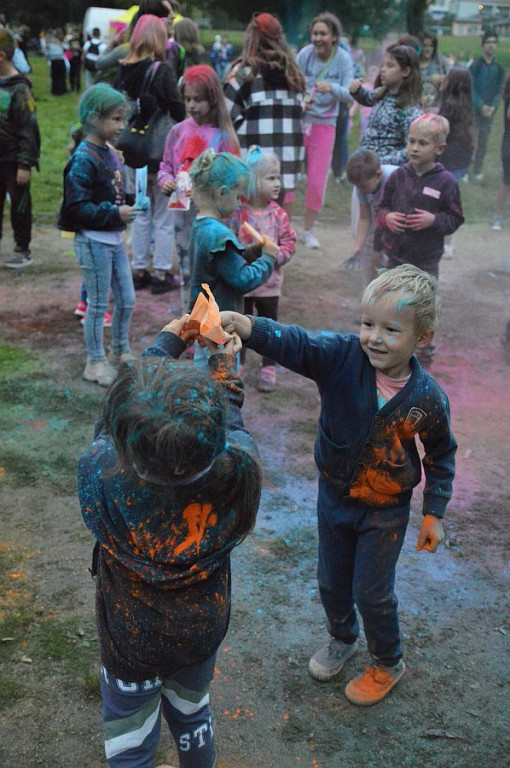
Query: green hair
column 215, row 170
column 99, row 100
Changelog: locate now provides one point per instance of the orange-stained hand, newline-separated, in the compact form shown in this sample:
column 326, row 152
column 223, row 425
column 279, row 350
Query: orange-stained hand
column 420, row 220
column 396, row 222
column 176, row 327
column 431, row 534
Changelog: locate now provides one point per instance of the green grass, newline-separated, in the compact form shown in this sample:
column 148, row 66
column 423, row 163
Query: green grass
column 44, row 426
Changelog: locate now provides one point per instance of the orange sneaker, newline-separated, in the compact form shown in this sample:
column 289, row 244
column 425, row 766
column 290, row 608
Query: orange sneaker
column 373, row 685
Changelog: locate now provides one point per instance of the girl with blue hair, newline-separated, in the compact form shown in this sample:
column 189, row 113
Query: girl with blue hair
column 216, row 255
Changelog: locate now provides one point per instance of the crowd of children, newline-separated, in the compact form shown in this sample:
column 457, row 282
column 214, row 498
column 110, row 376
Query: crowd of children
column 170, row 451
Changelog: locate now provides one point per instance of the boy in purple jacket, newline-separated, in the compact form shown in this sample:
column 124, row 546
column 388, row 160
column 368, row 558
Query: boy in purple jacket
column 421, row 201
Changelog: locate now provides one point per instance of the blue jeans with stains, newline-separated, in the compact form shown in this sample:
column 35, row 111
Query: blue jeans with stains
column 105, row 266
column 358, row 552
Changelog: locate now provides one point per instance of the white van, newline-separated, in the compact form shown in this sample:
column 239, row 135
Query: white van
column 100, row 18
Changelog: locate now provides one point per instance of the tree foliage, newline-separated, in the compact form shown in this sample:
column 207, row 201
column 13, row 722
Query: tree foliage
column 374, row 17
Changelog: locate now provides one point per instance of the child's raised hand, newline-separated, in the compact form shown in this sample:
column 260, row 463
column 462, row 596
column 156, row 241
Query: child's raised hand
column 355, row 85
column 396, row 222
column 178, row 327
column 431, row 534
column 127, row 213
column 233, row 322
column 420, row 219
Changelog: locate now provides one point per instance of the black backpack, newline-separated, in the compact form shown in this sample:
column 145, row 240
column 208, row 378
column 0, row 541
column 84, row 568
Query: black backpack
column 91, row 56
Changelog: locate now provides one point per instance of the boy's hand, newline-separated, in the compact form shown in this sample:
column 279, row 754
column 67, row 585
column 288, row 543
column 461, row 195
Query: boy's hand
column 431, row 534
column 23, row 176
column 420, row 220
column 355, row 85
column 396, row 222
column 177, row 327
column 232, row 347
column 233, row 322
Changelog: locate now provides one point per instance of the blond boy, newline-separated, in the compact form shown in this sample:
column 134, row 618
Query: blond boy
column 375, row 401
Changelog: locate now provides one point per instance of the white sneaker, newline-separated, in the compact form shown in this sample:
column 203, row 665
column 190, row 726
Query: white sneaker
column 309, row 239
column 479, row 176
column 447, row 251
column 465, row 178
column 102, row 373
column 496, row 223
column 124, row 357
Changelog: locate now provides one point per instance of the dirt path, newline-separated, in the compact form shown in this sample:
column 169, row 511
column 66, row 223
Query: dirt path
column 449, row 711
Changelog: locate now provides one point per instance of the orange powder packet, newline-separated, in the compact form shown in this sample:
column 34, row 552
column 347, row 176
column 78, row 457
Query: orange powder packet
column 251, row 232
column 205, row 317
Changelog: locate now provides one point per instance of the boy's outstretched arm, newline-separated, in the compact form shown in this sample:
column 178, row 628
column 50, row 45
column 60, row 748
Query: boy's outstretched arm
column 234, row 322
column 431, row 534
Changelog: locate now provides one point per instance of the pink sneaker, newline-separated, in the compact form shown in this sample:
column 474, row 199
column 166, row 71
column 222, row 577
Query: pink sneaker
column 81, row 309
column 107, row 320
column 267, row 378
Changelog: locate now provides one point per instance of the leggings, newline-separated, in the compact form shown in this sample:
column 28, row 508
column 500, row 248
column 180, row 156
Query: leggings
column 132, row 717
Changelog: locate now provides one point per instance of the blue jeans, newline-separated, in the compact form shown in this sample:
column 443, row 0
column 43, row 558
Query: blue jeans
column 132, row 717
column 358, row 552
column 103, row 267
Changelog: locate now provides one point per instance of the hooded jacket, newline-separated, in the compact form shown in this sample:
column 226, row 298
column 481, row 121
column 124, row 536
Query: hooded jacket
column 20, row 141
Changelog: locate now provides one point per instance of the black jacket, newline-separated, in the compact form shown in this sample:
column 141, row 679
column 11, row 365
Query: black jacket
column 20, row 141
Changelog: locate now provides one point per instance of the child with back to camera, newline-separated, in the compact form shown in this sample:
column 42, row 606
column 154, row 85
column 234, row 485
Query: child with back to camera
column 170, row 485
column 208, row 126
column 216, row 255
column 260, row 209
column 94, row 207
column 375, row 401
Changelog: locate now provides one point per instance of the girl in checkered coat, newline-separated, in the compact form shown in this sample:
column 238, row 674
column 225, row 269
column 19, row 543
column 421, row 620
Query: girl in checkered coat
column 264, row 92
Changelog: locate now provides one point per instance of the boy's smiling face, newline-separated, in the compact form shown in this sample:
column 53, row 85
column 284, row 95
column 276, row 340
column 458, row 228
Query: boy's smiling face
column 388, row 335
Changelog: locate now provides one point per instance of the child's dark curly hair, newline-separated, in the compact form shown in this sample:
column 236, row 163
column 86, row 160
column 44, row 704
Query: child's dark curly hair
column 168, row 424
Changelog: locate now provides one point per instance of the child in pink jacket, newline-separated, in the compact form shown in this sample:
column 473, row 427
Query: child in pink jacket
column 263, row 213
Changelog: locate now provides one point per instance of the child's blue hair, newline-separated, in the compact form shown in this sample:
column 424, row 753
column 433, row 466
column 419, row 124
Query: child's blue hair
column 99, row 100
column 259, row 163
column 216, row 170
